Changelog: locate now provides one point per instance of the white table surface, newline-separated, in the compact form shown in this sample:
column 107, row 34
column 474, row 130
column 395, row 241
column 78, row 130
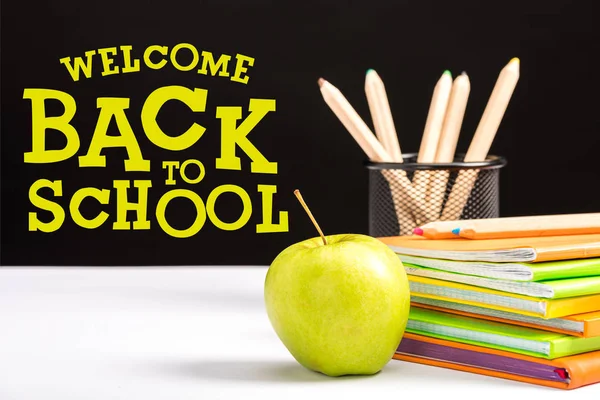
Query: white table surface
column 183, row 333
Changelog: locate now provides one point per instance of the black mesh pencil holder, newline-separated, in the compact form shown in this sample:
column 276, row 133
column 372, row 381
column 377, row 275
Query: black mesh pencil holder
column 405, row 195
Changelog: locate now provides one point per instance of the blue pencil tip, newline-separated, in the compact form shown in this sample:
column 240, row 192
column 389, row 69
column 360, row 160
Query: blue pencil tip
column 456, row 231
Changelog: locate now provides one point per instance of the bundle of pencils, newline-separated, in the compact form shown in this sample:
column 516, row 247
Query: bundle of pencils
column 414, row 201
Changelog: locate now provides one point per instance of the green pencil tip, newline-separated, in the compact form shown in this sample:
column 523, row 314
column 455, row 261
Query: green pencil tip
column 370, row 70
column 447, row 72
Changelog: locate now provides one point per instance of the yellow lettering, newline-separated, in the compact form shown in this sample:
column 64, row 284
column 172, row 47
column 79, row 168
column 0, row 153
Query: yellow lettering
column 161, row 209
column 246, row 207
column 240, row 68
column 169, row 166
column 208, row 61
column 107, row 62
column 40, row 123
column 57, row 211
column 201, row 171
column 116, row 107
column 140, row 207
column 128, row 66
column 194, row 99
column 103, row 197
column 148, row 52
column 86, row 67
column 232, row 135
column 267, row 225
column 195, row 57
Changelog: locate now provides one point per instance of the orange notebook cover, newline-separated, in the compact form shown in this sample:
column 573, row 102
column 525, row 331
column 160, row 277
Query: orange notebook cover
column 535, row 249
column 590, row 321
column 577, row 371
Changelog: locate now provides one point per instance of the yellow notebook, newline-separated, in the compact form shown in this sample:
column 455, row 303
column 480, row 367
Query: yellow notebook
column 503, row 301
column 534, row 249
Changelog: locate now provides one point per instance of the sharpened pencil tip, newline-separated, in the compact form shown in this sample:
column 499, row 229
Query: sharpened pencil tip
column 447, row 72
column 464, row 73
column 418, row 231
column 370, row 71
column 321, row 81
column 456, row 231
column 515, row 60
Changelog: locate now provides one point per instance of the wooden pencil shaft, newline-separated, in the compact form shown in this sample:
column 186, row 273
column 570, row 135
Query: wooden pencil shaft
column 482, row 139
column 539, row 225
column 436, row 193
column 382, row 115
column 386, row 132
column 361, row 133
column 453, row 119
column 507, row 233
column 369, row 144
column 403, row 201
column 459, row 195
column 455, row 112
column 531, row 224
column 353, row 123
column 541, row 220
column 493, row 113
column 435, row 119
column 430, row 140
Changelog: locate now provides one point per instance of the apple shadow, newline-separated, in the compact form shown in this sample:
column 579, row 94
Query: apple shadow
column 245, row 371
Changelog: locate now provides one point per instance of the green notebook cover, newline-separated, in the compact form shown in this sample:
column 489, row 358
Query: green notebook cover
column 565, row 269
column 555, row 289
column 496, row 335
column 527, row 272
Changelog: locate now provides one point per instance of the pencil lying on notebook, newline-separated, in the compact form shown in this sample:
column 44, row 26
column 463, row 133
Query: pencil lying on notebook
column 513, row 227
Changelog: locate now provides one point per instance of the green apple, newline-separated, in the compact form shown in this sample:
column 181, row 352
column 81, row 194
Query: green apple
column 340, row 308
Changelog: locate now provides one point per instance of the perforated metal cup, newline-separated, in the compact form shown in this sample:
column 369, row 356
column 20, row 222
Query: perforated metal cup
column 405, row 195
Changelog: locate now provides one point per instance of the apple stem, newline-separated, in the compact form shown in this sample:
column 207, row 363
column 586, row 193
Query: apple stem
column 314, row 221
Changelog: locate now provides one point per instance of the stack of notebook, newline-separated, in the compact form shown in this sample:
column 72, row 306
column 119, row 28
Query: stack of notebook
column 522, row 308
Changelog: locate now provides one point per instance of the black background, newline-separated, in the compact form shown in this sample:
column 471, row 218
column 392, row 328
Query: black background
column 550, row 133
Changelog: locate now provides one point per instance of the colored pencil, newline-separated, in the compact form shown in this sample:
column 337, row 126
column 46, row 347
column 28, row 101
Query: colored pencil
column 400, row 185
column 385, row 130
column 381, row 114
column 431, row 137
column 513, row 227
column 353, row 122
column 483, row 138
column 455, row 113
